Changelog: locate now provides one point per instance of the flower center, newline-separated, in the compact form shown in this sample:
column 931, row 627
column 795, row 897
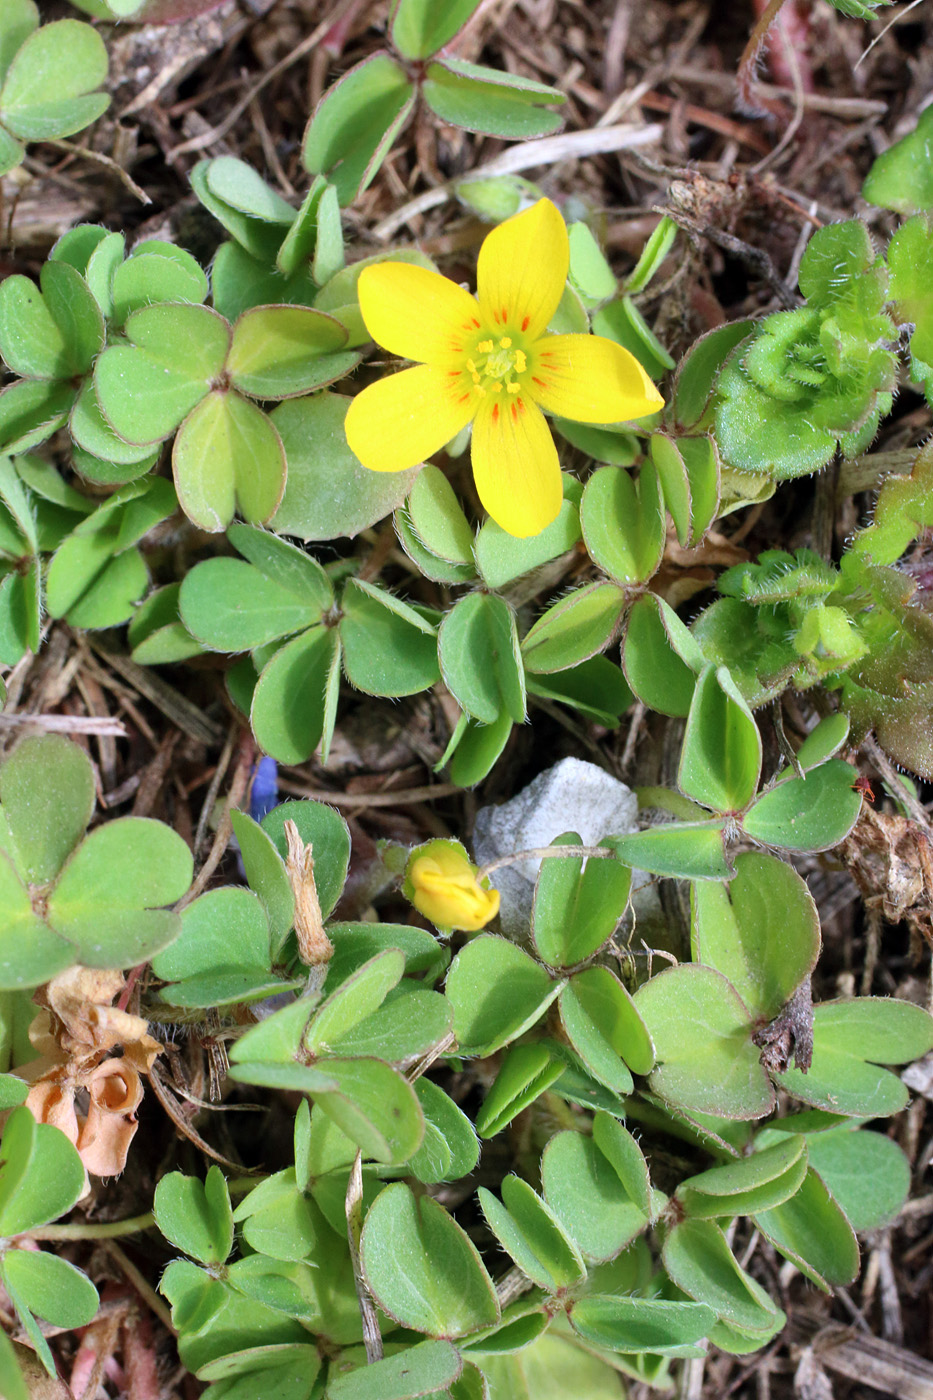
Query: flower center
column 495, row 364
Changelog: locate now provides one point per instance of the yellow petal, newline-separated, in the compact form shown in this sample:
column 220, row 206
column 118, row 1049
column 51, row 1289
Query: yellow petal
column 417, row 313
column 400, row 420
column 515, row 464
column 522, row 270
column 449, row 894
column 591, row 380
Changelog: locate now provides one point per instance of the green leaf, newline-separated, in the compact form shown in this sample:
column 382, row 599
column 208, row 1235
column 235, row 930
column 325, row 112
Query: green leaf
column 485, row 99
column 75, row 313
column 633, row 1325
column 501, row 557
column 388, row 648
column 41, row 1174
column 572, row 630
column 480, row 660
column 320, row 827
column 478, row 746
column 419, row 1370
column 812, row 813
column 31, row 410
column 685, row 850
column 660, row 657
column 285, row 564
column 230, row 606
column 616, row 446
column 910, row 260
column 239, row 186
column 530, row 1232
column 812, row 1232
column 900, row 178
column 422, row 1269
column 360, row 995
column 147, row 388
column 123, row 868
column 355, row 943
column 355, row 123
column 48, row 90
column 577, row 905
column 12, row 1382
column 90, row 430
column 30, row 953
column 47, row 798
column 420, row 28
column 154, row 272
column 31, row 342
column 449, row 1150
column 623, row 522
column 156, row 633
column 20, row 18
column 437, row 518
column 696, row 377
column 596, row 688
column 228, row 456
column 659, row 244
column 50, row 1287
column 700, row 1262
column 328, row 492
column 622, row 322
column 605, row 1029
column 223, row 929
column 720, row 761
column 525, row 1073
column 590, row 274
column 497, row 992
column 280, row 351
column 762, row 931
column 759, row 1182
column 315, row 238
column 702, row 1038
column 196, row 1216
column 585, row 1192
column 850, row 1040
column 866, row 1173
column 266, row 875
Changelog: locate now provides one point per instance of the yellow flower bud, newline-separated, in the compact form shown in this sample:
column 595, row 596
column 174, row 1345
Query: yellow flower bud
column 441, row 883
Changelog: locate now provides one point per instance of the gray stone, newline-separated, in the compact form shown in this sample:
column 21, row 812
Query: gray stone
column 571, row 796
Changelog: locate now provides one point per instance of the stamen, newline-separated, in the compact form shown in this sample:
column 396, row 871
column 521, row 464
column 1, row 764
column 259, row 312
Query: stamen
column 521, row 362
column 485, row 347
column 513, row 387
column 471, row 366
column 506, row 342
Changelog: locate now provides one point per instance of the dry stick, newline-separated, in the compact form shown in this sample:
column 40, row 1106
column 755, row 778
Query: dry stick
column 217, row 133
column 145, row 1289
column 546, row 151
column 67, row 724
column 372, row 1337
column 891, row 776
column 122, row 175
column 404, row 797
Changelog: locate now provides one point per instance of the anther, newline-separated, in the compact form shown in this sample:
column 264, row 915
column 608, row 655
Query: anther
column 506, row 342
column 513, row 388
column 485, row 346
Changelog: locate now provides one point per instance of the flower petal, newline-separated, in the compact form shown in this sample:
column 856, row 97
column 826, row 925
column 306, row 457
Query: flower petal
column 590, row 379
column 400, row 420
column 417, row 313
column 515, row 465
column 522, row 269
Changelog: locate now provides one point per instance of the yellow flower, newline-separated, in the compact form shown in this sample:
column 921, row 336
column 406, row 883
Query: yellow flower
column 489, row 360
column 442, row 885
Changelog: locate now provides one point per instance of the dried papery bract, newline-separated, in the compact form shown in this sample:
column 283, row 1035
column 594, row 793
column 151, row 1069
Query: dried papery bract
column 314, row 947
column 74, row 1033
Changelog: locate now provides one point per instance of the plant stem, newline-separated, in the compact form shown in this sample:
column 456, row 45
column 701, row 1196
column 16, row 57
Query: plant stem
column 114, row 1229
